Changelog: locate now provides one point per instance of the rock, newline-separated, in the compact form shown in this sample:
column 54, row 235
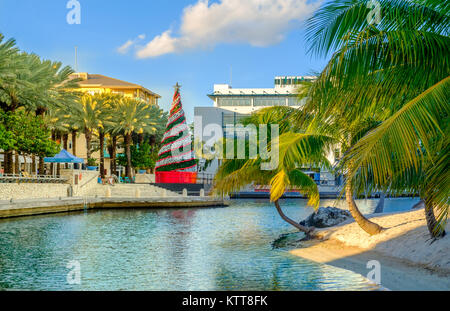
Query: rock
column 289, row 240
column 326, row 217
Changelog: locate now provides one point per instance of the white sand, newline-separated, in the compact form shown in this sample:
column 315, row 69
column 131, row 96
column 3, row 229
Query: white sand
column 408, row 257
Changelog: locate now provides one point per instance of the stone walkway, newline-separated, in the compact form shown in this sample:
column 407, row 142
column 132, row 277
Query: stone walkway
column 16, row 208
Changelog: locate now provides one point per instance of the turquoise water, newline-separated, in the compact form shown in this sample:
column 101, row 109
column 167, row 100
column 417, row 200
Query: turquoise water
column 170, row 249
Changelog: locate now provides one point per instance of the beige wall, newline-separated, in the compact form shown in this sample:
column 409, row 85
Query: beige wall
column 81, row 151
column 32, row 191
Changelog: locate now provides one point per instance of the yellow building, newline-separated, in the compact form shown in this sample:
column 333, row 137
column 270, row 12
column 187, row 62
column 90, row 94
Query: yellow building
column 95, row 83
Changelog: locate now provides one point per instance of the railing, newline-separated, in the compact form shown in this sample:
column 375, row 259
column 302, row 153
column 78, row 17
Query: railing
column 14, row 178
column 332, row 183
column 87, row 182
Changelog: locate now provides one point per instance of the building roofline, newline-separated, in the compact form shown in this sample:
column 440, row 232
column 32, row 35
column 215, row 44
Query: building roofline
column 255, row 94
column 126, row 85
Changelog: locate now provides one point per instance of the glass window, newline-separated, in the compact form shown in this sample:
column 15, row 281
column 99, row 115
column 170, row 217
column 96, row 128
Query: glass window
column 233, row 101
column 268, row 101
column 293, row 101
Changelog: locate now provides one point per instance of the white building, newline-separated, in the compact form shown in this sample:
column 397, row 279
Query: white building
column 246, row 101
column 230, row 105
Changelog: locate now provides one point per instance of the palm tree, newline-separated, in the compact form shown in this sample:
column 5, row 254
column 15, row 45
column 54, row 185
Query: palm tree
column 85, row 116
column 29, row 82
column 105, row 105
column 55, row 119
column 133, row 115
column 93, row 115
column 296, row 148
column 112, row 145
column 396, row 72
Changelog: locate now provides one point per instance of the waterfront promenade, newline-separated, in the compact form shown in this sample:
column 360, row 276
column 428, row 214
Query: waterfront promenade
column 16, row 208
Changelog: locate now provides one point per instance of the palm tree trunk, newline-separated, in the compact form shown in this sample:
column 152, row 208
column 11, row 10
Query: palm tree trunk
column 59, row 137
column 52, row 165
column 304, row 229
column 365, row 224
column 33, row 164
column 74, row 142
column 41, row 166
column 8, row 162
column 17, row 163
column 432, row 222
column 113, row 154
column 88, row 135
column 141, row 139
column 102, row 153
column 128, row 153
column 65, row 138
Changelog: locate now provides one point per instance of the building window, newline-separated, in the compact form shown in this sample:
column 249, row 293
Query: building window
column 233, row 101
column 268, row 101
column 294, row 101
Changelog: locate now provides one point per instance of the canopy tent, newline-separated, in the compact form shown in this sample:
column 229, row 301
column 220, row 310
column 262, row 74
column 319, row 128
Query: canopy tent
column 63, row 157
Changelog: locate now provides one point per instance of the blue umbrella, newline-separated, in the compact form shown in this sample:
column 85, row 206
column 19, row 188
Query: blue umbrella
column 63, row 157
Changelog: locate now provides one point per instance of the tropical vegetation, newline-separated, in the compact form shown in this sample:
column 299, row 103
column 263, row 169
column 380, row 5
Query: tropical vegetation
column 40, row 107
column 297, row 149
column 394, row 73
column 383, row 98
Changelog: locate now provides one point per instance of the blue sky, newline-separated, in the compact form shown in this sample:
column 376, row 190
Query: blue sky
column 258, row 38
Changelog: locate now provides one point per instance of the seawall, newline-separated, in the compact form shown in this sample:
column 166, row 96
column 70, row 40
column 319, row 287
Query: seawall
column 18, row 208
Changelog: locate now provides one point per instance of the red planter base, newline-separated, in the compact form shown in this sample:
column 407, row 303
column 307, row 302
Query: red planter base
column 176, row 177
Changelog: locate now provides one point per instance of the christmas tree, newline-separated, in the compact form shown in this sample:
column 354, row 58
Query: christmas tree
column 176, row 154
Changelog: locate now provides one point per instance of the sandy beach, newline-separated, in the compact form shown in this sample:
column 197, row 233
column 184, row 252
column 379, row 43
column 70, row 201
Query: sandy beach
column 409, row 259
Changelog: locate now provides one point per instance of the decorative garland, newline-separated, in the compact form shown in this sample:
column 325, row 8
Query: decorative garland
column 176, row 153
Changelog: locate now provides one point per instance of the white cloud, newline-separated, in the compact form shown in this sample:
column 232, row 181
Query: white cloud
column 127, row 45
column 204, row 25
column 163, row 44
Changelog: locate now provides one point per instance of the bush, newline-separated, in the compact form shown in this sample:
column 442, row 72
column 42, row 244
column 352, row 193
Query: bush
column 92, row 162
column 141, row 157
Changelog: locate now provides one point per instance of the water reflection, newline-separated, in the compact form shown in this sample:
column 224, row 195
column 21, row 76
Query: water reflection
column 171, row 249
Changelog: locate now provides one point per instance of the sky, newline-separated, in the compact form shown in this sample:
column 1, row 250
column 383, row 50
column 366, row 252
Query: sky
column 156, row 43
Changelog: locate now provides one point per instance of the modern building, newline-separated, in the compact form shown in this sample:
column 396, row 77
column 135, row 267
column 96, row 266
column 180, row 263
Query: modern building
column 230, row 105
column 246, row 101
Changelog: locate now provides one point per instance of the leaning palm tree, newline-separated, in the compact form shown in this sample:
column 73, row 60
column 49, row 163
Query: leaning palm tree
column 412, row 145
column 295, row 149
column 396, row 71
